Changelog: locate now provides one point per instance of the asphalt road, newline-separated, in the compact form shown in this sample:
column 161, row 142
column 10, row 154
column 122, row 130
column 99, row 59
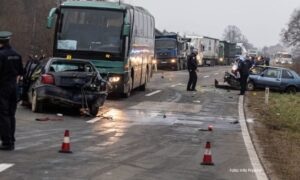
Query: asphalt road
column 152, row 135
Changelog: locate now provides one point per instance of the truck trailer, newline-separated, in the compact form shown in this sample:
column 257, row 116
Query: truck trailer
column 208, row 49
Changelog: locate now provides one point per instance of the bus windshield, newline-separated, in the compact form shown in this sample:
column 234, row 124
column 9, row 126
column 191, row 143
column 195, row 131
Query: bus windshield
column 165, row 44
column 90, row 30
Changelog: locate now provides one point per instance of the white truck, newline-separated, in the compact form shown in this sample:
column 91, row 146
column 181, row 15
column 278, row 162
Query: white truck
column 208, row 49
column 283, row 58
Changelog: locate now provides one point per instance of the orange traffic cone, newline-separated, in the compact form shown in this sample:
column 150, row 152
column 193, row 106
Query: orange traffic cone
column 65, row 147
column 207, row 158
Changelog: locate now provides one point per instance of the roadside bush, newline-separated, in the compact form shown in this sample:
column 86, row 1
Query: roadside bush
column 297, row 65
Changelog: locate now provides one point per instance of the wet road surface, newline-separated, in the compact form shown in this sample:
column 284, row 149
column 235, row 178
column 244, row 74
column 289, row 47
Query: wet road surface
column 156, row 134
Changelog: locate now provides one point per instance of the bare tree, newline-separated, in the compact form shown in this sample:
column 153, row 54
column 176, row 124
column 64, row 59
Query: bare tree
column 27, row 20
column 233, row 34
column 291, row 35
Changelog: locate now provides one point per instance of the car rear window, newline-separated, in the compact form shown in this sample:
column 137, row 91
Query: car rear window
column 69, row 66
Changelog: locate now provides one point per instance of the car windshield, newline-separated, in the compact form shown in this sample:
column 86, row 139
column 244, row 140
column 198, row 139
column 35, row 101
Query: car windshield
column 257, row 70
column 90, row 30
column 168, row 44
column 70, row 66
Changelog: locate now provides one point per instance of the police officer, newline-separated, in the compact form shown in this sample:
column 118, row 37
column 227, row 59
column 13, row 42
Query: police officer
column 11, row 69
column 244, row 70
column 192, row 68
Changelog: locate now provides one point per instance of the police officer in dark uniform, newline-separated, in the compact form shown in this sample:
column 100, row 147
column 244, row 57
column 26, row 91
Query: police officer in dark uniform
column 244, row 70
column 192, row 68
column 11, row 69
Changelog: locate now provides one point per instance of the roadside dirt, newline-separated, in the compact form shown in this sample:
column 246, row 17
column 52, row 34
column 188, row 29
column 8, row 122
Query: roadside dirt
column 276, row 141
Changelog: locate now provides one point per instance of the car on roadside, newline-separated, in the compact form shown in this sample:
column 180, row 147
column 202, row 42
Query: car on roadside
column 70, row 83
column 276, row 78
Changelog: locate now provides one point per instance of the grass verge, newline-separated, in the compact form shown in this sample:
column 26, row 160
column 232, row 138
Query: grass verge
column 277, row 128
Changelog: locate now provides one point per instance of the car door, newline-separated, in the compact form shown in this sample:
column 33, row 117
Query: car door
column 271, row 78
column 287, row 79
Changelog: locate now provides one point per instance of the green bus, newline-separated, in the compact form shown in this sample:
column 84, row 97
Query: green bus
column 118, row 38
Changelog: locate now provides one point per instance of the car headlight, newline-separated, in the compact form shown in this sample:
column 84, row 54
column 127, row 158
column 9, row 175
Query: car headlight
column 154, row 61
column 173, row 60
column 234, row 67
column 114, row 79
column 221, row 59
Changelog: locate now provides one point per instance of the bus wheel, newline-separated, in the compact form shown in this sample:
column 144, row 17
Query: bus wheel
column 178, row 66
column 128, row 93
column 144, row 86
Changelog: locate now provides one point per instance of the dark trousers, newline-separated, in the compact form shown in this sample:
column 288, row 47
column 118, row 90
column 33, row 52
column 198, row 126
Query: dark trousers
column 243, row 82
column 192, row 80
column 8, row 106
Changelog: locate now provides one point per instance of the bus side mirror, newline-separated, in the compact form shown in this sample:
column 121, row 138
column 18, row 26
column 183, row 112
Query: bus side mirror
column 50, row 18
column 126, row 30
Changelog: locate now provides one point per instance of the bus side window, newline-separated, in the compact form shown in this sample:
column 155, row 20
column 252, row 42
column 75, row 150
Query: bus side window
column 149, row 27
column 145, row 25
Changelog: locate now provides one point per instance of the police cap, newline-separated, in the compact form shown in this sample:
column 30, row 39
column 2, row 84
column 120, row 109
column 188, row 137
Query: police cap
column 5, row 35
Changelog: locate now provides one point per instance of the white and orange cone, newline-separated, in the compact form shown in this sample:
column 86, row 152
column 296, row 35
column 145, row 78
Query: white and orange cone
column 66, row 147
column 207, row 158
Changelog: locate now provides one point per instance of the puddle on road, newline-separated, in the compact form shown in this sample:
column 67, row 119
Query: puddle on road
column 167, row 107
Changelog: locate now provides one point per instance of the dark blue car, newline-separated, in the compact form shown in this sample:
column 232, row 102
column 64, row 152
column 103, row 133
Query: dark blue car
column 276, row 78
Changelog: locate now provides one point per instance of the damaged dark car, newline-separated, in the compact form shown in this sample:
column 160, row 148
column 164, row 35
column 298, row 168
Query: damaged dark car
column 69, row 83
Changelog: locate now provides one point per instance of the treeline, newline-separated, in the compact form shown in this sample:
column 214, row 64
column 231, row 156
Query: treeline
column 27, row 20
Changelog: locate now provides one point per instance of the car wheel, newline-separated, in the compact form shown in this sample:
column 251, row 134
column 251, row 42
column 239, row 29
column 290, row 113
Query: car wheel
column 291, row 90
column 36, row 106
column 250, row 86
column 94, row 109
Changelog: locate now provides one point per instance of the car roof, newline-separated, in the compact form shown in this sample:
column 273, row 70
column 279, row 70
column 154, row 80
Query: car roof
column 64, row 59
column 282, row 68
column 274, row 67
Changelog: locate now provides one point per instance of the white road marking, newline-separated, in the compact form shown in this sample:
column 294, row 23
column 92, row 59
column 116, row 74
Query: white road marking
column 216, row 73
column 4, row 167
column 206, row 76
column 174, row 85
column 151, row 94
column 256, row 164
column 94, row 120
column 250, row 121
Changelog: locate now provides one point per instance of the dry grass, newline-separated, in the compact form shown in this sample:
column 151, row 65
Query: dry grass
column 278, row 131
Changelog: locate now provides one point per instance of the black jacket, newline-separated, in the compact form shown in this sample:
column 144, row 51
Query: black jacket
column 192, row 62
column 244, row 67
column 10, row 65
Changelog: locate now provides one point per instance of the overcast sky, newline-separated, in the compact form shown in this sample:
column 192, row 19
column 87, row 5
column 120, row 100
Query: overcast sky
column 260, row 21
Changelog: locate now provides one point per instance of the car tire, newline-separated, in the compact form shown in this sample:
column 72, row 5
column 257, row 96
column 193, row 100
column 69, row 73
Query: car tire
column 291, row 90
column 250, row 86
column 94, row 108
column 36, row 105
